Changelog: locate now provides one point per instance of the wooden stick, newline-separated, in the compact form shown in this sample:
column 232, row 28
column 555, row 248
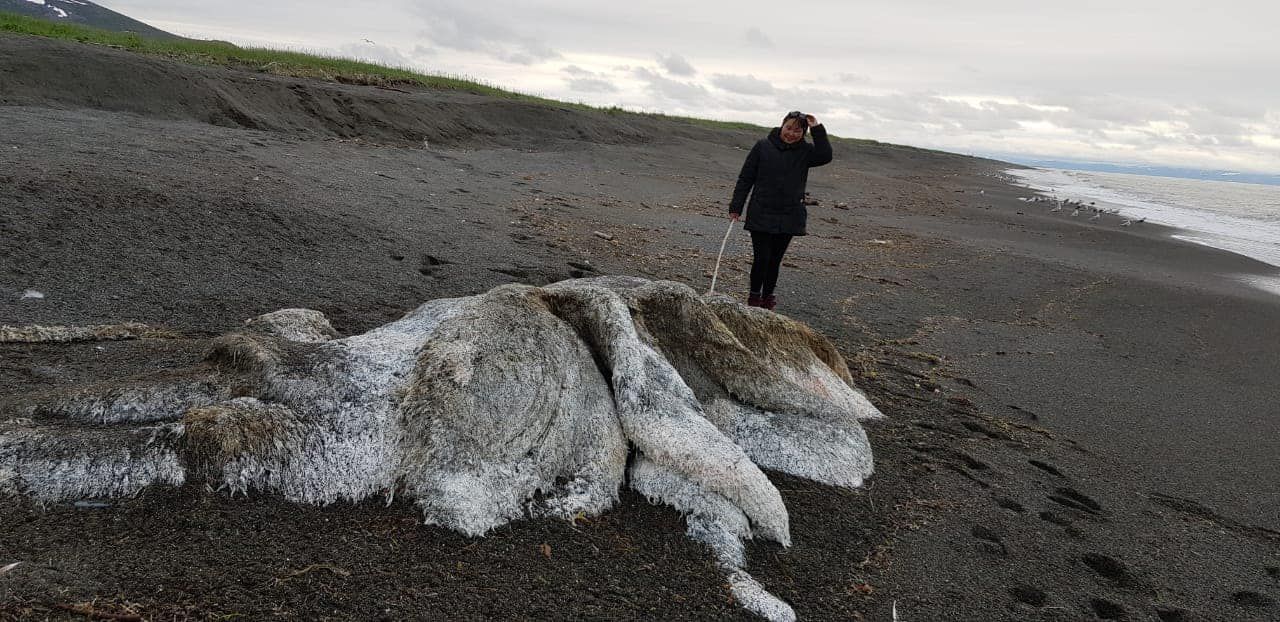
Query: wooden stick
column 716, row 273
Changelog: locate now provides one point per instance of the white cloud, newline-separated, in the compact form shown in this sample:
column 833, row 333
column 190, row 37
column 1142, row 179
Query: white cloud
column 756, row 38
column 1138, row 79
column 848, row 77
column 464, row 27
column 592, row 85
column 676, row 65
column 673, row 90
column 743, row 85
column 582, row 81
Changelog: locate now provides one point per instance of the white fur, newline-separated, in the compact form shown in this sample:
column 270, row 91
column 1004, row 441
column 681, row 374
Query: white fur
column 521, row 401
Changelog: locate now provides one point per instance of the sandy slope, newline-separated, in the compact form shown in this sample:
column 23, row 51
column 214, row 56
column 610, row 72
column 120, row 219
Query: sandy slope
column 1081, row 419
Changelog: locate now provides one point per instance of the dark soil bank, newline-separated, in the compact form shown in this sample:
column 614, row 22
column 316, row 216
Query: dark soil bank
column 1082, row 419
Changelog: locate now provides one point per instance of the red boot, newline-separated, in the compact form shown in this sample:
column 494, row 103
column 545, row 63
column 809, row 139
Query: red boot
column 769, row 302
column 755, row 300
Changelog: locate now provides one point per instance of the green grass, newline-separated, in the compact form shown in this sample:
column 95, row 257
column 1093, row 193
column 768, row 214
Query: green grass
column 301, row 65
column 266, row 60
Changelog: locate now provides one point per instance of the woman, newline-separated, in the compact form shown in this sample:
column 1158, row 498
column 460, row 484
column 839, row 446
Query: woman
column 775, row 174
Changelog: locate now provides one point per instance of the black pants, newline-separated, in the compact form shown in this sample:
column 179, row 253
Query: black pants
column 768, row 249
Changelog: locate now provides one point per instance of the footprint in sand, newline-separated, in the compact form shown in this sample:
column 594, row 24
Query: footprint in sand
column 965, row 472
column 1046, row 467
column 953, row 455
column 1069, row 497
column 542, row 275
column 1108, row 610
column 1050, row 517
column 1173, row 614
column 1111, row 569
column 1027, row 594
column 991, row 542
column 430, row 264
column 985, row 431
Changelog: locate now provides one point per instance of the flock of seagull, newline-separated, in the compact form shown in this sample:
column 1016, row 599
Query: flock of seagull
column 1057, row 204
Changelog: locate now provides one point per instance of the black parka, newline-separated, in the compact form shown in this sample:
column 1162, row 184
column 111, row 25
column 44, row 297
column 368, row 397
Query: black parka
column 775, row 174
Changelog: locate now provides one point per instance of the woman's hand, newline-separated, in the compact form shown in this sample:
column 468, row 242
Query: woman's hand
column 811, row 120
column 734, row 216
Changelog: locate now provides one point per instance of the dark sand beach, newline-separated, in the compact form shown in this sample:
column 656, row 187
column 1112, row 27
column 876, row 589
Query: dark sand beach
column 1082, row 419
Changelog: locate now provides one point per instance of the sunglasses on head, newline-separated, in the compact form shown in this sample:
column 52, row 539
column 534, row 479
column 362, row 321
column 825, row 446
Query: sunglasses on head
column 796, row 114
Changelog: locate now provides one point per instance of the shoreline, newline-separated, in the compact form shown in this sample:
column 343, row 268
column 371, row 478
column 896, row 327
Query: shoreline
column 1208, row 227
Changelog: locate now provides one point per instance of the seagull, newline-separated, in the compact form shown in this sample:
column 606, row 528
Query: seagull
column 1096, row 216
column 1075, row 213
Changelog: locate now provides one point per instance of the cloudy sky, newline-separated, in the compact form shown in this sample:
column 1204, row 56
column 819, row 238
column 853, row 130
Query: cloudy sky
column 1173, row 82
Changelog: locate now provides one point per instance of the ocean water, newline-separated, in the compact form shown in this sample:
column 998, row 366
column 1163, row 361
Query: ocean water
column 1241, row 218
